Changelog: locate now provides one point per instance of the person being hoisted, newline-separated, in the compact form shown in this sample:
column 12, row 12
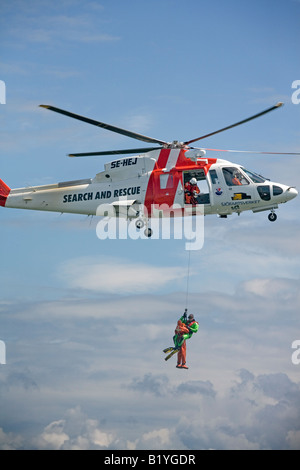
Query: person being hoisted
column 186, row 327
column 191, row 191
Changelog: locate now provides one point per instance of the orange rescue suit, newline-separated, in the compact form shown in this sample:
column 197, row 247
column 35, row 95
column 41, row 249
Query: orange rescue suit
column 190, row 191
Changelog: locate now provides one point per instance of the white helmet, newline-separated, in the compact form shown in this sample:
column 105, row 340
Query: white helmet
column 193, row 181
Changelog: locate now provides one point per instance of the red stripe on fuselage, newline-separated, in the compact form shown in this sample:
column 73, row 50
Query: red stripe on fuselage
column 4, row 192
column 163, row 158
column 159, row 164
column 155, row 194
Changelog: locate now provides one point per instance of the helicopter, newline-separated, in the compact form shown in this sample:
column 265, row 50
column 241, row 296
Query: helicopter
column 172, row 179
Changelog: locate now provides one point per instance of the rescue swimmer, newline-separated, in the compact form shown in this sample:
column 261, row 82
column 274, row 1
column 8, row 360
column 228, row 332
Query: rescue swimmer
column 186, row 327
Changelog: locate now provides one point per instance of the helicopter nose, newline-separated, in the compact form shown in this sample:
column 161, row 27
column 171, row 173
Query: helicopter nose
column 292, row 193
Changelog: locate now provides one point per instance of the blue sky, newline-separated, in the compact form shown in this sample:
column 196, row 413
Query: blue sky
column 84, row 321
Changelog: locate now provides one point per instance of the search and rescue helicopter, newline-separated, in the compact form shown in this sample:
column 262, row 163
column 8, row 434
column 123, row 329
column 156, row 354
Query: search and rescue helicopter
column 161, row 181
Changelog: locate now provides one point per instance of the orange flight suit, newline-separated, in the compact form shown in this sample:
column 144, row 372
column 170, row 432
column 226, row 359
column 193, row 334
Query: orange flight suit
column 181, row 329
column 190, row 191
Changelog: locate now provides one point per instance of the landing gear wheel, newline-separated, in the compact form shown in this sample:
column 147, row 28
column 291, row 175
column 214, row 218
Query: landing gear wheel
column 139, row 224
column 272, row 217
column 148, row 232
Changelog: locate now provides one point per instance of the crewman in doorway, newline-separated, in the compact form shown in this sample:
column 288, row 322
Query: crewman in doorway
column 191, row 191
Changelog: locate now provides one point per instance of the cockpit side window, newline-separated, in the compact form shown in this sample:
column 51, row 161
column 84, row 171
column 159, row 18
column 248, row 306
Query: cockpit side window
column 213, row 176
column 254, row 177
column 234, row 177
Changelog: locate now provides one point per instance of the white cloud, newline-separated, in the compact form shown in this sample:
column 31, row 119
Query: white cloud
column 284, row 289
column 293, row 439
column 75, row 432
column 247, row 416
column 116, row 276
column 98, row 437
column 138, row 122
column 53, row 436
column 254, row 412
column 57, row 28
column 159, row 438
column 10, row 441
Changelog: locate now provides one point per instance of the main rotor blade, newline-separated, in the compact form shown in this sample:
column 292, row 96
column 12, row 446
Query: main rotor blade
column 118, row 130
column 278, row 105
column 251, row 151
column 115, row 152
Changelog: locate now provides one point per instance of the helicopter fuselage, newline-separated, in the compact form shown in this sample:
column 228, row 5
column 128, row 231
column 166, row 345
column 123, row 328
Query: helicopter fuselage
column 154, row 185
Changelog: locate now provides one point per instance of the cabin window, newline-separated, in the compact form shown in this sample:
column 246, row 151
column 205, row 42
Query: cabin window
column 166, row 181
column 277, row 190
column 234, row 177
column 264, row 192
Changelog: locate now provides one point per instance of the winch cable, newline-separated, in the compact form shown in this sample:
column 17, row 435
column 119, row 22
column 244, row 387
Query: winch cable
column 187, row 281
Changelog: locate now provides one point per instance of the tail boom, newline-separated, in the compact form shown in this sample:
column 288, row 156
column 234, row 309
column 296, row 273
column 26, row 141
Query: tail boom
column 4, row 192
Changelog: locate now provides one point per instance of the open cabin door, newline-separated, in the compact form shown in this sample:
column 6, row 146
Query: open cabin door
column 203, row 197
